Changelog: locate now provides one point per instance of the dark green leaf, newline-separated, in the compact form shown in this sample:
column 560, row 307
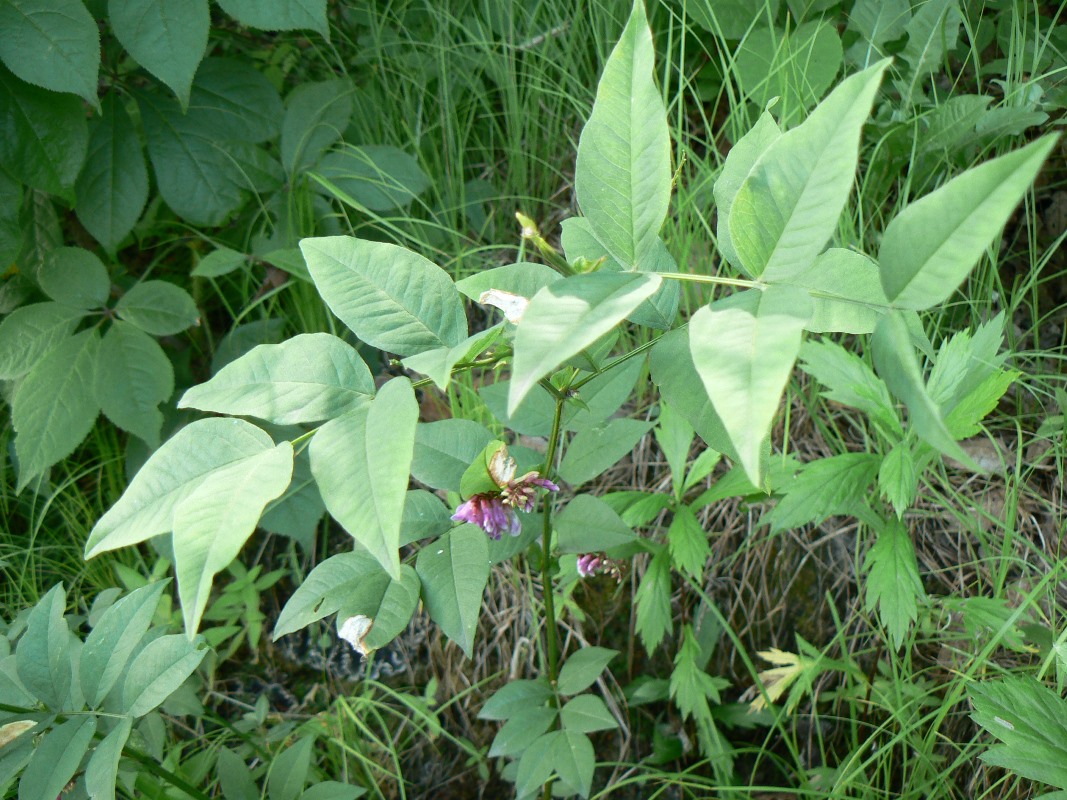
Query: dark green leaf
column 588, row 525
column 133, row 376
column 512, row 698
column 574, row 760
column 586, row 714
column 582, row 668
column 56, row 759
column 594, row 450
column 289, row 770
column 445, row 449
column 158, row 307
column 316, row 114
column 653, row 600
column 329, row 586
column 29, row 333
column 380, row 177
column 520, row 731
column 158, row 671
column 828, row 486
column 278, row 15
column 688, row 542
column 43, row 653
column 102, row 770
column 51, row 43
column 454, row 571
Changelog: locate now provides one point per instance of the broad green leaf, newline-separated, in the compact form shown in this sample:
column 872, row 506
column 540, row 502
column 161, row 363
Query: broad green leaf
column 166, row 37
column 729, row 19
column 524, row 279
column 380, row 177
column 828, row 486
column 623, row 173
column 45, row 135
column 893, row 584
column 332, row 790
column 102, row 770
column 279, row 15
column 1029, row 720
column 236, row 101
column 289, row 770
column 653, row 602
column 932, row 30
column 391, row 297
column 214, row 521
column 158, row 307
column 513, row 697
column 113, row 639
column 56, row 759
column 196, row 169
column 43, row 654
column 568, row 316
column 595, row 450
column 898, row 478
column 29, row 333
column 574, row 759
column 795, row 66
column 438, row 364
column 389, row 612
column 880, row 21
column 316, row 114
column 454, row 571
column 308, row 378
column 897, row 365
column 328, row 587
column 533, row 416
column 52, row 411
column 519, row 732
column 965, row 417
column 672, row 370
column 739, row 163
column 536, row 764
column 850, row 382
column 743, row 349
column 362, row 461
column 75, row 277
column 846, row 294
column 637, row 509
column 54, row 44
column 582, row 668
column 586, row 714
column 297, row 513
column 788, row 207
column 235, row 778
column 174, row 471
column 425, row 516
column 933, row 244
column 158, row 671
column 112, row 188
column 445, row 449
column 602, row 396
column 688, row 542
column 588, row 525
column 218, row 263
column 133, row 376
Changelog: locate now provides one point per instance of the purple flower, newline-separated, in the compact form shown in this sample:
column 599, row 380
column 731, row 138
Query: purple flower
column 495, row 511
column 590, row 564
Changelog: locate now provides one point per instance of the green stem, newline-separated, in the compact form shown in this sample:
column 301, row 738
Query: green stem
column 688, row 276
column 551, row 644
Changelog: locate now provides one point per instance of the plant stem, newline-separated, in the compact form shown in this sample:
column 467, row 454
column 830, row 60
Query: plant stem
column 551, row 644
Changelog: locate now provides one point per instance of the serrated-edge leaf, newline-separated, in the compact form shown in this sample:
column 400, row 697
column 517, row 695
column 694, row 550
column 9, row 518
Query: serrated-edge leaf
column 54, row 44
column 893, row 583
column 29, row 333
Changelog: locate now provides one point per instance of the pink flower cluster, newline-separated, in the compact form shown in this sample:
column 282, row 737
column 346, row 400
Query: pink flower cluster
column 496, row 511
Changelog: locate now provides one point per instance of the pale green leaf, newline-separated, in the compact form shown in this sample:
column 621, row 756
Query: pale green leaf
column 595, row 450
column 218, row 263
column 788, row 207
column 513, row 697
column 1030, row 720
column 316, row 114
column 688, row 542
column 587, row 525
column 602, row 396
column 278, row 15
column 52, row 411
column 308, row 378
column 536, row 764
column 850, row 382
column 362, row 461
column 158, row 671
column 586, row 714
column 892, row 578
column 340, row 579
column 933, row 244
column 112, row 188
column 574, row 759
column 113, row 639
column 158, row 307
column 623, row 172
column 29, row 333
column 54, row 44
column 133, row 376
column 166, row 37
column 653, row 602
column 56, row 759
column 743, row 349
column 235, row 778
column 582, row 668
column 289, row 770
column 897, row 365
column 438, row 364
column 445, row 449
column 45, row 135
column 932, row 29
column 898, row 478
column 568, row 316
column 524, row 279
column 454, row 571
column 175, row 470
column 845, row 291
column 43, row 654
column 391, row 297
column 880, row 21
column 729, row 19
column 213, row 522
column 675, row 439
column 379, row 177
column 828, row 486
column 389, row 612
column 739, row 163
column 102, row 770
